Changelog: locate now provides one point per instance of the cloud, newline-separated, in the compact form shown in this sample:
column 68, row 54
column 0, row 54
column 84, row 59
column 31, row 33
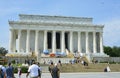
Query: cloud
column 112, row 32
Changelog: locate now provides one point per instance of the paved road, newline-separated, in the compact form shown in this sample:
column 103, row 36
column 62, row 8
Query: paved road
column 82, row 75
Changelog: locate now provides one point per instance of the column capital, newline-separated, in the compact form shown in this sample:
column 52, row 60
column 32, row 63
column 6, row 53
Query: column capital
column 54, row 31
column 71, row 31
column 19, row 30
column 36, row 30
column 45, row 30
column 28, row 30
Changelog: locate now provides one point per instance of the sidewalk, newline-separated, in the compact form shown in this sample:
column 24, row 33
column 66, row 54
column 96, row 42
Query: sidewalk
column 81, row 75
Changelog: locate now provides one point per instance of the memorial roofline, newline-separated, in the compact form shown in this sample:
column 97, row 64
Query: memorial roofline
column 55, row 18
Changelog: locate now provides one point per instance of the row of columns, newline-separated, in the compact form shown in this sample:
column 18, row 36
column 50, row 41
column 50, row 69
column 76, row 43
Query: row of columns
column 54, row 41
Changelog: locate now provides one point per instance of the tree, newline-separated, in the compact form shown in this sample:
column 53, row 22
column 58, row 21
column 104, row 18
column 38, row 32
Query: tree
column 112, row 51
column 3, row 51
column 108, row 50
column 116, row 51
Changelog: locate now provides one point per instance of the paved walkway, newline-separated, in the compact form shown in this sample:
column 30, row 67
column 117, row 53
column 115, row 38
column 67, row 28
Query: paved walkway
column 82, row 75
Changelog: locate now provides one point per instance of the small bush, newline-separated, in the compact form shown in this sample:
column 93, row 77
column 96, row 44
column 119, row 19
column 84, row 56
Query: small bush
column 23, row 69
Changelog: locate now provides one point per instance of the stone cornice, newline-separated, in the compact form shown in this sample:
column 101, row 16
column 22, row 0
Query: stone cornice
column 53, row 24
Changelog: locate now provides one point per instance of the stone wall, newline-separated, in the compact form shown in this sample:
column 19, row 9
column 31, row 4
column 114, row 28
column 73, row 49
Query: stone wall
column 42, row 60
column 55, row 60
column 19, row 59
column 107, row 59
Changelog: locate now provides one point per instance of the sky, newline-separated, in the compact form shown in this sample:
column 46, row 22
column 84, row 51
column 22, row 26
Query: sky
column 103, row 12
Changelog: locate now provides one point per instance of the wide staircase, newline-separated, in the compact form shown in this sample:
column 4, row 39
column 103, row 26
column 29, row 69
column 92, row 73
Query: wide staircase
column 78, row 67
column 99, row 67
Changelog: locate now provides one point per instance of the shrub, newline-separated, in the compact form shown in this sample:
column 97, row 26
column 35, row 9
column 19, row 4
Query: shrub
column 23, row 69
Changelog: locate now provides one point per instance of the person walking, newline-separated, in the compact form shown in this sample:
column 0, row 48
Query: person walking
column 55, row 72
column 51, row 66
column 2, row 71
column 33, row 70
column 10, row 71
column 39, row 71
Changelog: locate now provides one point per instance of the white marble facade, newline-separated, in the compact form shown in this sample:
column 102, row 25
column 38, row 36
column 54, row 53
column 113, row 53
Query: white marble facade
column 37, row 33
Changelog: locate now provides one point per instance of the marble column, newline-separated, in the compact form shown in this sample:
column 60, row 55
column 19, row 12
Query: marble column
column 19, row 40
column 63, row 42
column 14, row 41
column 94, row 42
column 101, row 42
column 87, row 43
column 79, row 42
column 11, row 41
column 54, row 42
column 71, row 41
column 28, row 42
column 36, row 41
column 45, row 40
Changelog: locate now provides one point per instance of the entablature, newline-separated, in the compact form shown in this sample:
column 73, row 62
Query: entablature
column 57, row 27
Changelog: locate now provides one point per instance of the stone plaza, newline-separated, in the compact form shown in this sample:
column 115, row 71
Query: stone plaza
column 82, row 75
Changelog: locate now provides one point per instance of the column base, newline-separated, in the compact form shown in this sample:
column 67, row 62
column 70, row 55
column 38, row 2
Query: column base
column 99, row 55
column 90, row 56
column 15, row 54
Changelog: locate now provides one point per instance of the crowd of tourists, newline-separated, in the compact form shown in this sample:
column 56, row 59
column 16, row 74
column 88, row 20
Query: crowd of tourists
column 34, row 70
column 7, row 72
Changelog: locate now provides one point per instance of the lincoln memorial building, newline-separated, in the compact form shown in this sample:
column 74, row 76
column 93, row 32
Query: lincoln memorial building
column 44, row 33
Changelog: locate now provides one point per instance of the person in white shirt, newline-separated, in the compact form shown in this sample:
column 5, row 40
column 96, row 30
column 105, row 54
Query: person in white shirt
column 108, row 69
column 33, row 71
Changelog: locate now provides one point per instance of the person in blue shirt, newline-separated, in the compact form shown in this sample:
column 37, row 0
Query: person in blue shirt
column 10, row 71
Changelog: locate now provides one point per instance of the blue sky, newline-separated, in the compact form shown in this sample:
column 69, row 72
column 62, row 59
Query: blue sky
column 105, row 12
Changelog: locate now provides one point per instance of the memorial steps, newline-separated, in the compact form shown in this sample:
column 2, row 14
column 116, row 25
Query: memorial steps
column 90, row 68
column 99, row 67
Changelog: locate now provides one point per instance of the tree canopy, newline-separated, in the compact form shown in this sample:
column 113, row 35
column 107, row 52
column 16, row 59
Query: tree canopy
column 112, row 51
column 3, row 51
